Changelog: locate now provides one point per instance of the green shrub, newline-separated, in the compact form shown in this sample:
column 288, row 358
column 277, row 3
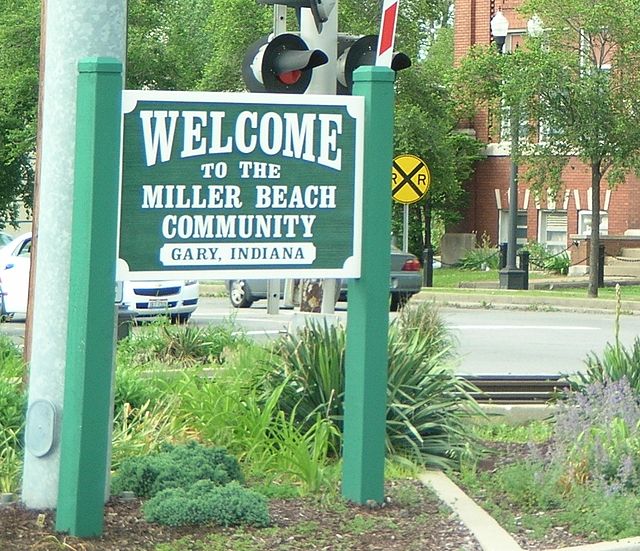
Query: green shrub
column 13, row 402
column 161, row 342
column 132, row 388
column 428, row 407
column 175, row 467
column 312, row 361
column 542, row 258
column 11, row 362
column 484, row 257
column 617, row 362
column 146, row 429
column 229, row 505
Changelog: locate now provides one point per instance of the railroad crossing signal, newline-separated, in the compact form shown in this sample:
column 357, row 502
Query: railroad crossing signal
column 282, row 65
column 410, row 179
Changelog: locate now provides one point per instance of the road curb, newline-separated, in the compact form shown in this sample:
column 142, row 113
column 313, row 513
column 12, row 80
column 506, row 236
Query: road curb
column 479, row 299
column 490, row 535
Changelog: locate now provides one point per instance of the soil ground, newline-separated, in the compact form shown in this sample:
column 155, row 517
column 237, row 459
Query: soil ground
column 411, row 520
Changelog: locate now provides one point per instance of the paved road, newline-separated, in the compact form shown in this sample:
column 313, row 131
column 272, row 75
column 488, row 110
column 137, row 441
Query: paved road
column 490, row 341
column 524, row 342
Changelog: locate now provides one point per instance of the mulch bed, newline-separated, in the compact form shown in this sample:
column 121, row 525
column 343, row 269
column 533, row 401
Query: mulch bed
column 421, row 526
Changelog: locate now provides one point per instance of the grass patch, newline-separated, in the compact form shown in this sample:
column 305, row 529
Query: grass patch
column 535, row 431
column 452, row 277
column 577, row 472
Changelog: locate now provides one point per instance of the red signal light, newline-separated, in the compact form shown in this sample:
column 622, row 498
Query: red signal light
column 290, row 77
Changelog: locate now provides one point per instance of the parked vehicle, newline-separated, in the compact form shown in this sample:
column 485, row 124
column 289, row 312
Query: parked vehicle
column 405, row 281
column 140, row 299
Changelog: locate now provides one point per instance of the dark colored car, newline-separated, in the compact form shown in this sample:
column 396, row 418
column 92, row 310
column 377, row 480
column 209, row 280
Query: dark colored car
column 405, row 281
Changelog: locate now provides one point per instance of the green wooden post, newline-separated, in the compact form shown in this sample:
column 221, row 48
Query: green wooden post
column 88, row 373
column 368, row 314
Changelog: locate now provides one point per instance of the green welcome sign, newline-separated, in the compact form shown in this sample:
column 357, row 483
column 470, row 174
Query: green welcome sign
column 219, row 185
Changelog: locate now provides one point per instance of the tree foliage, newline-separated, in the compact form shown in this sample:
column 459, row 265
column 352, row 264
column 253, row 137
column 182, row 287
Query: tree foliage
column 426, row 125
column 426, row 116
column 580, row 80
column 167, row 45
column 18, row 103
column 200, row 44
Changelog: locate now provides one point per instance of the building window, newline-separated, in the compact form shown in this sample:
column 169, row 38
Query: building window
column 521, row 227
column 505, row 125
column 553, row 230
column 584, row 223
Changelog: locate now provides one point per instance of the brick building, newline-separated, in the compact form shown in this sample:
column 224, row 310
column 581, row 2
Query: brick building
column 555, row 221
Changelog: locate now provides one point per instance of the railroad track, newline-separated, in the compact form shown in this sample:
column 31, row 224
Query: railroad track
column 517, row 389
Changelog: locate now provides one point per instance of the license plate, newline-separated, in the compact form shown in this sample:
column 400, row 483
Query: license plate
column 158, row 304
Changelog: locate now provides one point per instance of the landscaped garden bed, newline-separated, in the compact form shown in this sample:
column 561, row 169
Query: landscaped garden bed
column 256, row 431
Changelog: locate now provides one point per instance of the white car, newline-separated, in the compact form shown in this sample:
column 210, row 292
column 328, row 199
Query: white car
column 140, row 299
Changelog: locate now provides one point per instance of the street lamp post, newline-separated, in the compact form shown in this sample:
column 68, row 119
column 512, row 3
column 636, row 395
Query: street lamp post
column 511, row 277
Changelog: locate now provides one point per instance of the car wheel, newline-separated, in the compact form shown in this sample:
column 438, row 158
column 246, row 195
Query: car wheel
column 240, row 294
column 180, row 319
column 398, row 300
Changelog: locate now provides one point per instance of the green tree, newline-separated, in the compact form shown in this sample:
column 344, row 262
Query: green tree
column 18, row 104
column 200, row 44
column 426, row 111
column 581, row 80
column 168, row 43
column 236, row 25
column 426, row 125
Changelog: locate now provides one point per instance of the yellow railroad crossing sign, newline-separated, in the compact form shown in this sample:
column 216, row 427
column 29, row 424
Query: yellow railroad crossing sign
column 410, row 179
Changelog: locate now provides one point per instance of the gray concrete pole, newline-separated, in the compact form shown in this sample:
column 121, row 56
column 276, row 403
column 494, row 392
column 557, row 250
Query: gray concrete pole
column 323, row 82
column 71, row 29
column 324, row 76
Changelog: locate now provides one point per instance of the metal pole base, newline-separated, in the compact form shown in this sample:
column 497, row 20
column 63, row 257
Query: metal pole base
column 512, row 278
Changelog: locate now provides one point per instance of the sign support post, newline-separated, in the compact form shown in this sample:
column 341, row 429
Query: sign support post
column 88, row 376
column 366, row 359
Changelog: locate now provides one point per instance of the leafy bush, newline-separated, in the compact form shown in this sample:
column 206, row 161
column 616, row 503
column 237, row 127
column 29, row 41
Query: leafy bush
column 597, row 436
column 13, row 402
column 205, row 501
column 542, row 258
column 312, row 362
column 617, row 361
column 429, row 408
column 11, row 362
column 10, row 461
column 175, row 467
column 484, row 257
column 161, row 342
column 132, row 388
column 232, row 409
column 145, row 429
column 427, row 405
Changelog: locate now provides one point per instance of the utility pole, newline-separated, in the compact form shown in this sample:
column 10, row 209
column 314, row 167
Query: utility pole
column 323, row 82
column 71, row 30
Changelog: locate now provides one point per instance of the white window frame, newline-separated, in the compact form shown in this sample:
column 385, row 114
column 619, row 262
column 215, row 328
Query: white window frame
column 554, row 245
column 584, row 227
column 503, row 227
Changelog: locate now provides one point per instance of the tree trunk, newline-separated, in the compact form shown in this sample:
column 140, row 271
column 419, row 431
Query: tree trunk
column 594, row 249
